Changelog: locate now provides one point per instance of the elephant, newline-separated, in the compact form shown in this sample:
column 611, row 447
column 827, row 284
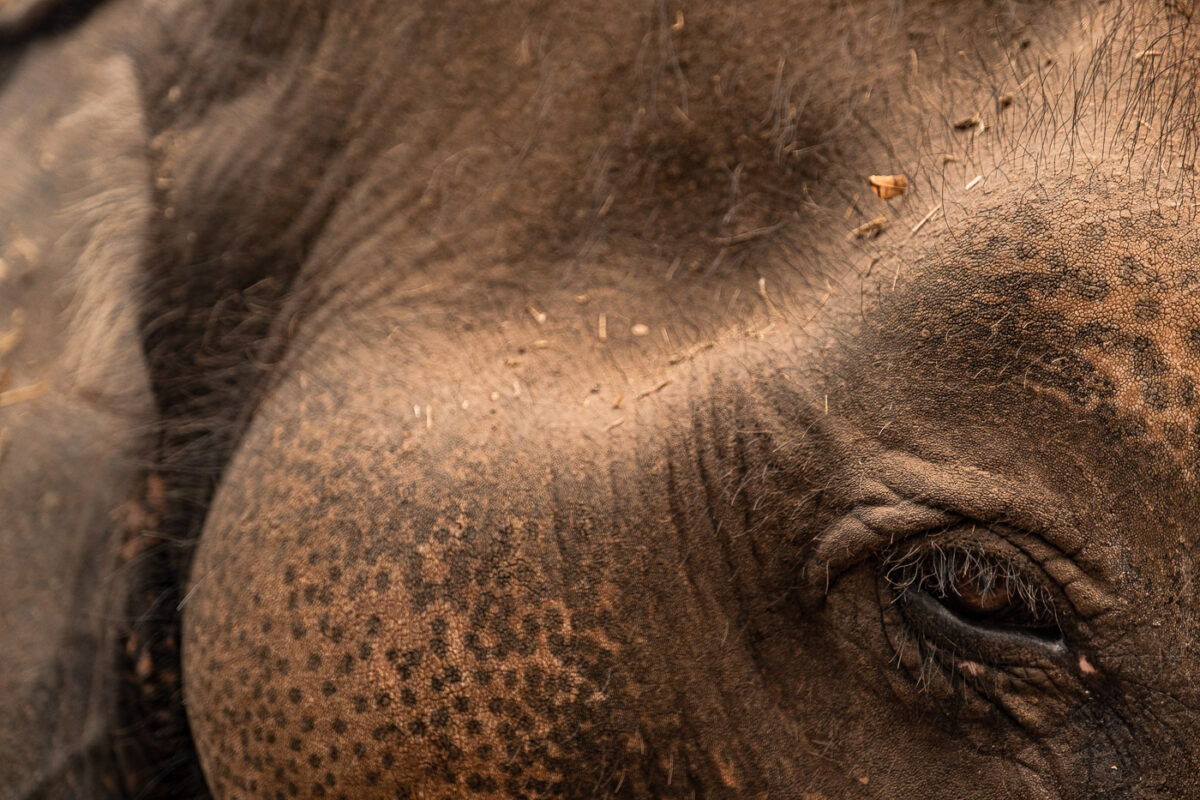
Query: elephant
column 633, row 399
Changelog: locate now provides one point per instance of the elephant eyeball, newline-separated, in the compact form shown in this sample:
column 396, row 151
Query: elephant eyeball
column 977, row 597
column 975, row 586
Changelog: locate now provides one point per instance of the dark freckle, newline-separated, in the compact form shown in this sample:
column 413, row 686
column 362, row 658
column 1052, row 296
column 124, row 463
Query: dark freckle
column 298, row 630
column 388, row 760
column 360, row 704
column 1187, row 390
column 474, row 727
column 383, row 580
column 417, row 727
column 289, row 575
column 1093, row 233
column 372, row 778
column 365, row 650
column 374, row 624
column 1147, row 309
column 360, row 749
column 295, row 695
column 435, row 683
column 383, row 700
column 1194, row 339
column 346, row 665
column 496, row 706
column 1091, row 290
column 408, row 696
column 462, row 704
column 306, row 724
column 440, row 717
column 335, row 573
column 339, row 726
column 295, row 744
column 314, row 760
column 314, row 662
column 1175, row 434
column 1134, row 272
column 314, row 558
column 328, row 688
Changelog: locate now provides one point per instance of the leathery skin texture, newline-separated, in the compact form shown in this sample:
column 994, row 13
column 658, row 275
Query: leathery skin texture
column 628, row 399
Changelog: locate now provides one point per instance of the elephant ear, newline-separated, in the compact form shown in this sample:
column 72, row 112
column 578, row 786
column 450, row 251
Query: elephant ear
column 23, row 18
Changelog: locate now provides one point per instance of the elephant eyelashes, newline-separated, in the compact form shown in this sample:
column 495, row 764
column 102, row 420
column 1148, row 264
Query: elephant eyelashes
column 980, row 590
column 964, row 602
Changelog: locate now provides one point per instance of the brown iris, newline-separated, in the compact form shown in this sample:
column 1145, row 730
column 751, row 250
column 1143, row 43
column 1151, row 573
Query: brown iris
column 972, row 594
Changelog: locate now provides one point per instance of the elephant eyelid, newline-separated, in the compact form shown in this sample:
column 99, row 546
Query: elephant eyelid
column 974, row 574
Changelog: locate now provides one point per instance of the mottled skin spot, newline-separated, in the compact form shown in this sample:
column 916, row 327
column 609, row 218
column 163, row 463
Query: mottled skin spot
column 1054, row 301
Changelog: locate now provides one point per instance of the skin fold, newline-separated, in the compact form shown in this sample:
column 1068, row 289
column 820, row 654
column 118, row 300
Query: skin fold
column 534, row 399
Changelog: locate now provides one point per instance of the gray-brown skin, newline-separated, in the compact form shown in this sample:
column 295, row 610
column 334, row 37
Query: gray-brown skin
column 528, row 424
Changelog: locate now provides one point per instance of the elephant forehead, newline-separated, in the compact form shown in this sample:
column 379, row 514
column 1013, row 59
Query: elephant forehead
column 1099, row 307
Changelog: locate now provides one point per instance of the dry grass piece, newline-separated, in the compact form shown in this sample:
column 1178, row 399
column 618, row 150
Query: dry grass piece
column 748, row 236
column 918, row 226
column 888, row 186
column 869, row 230
column 656, row 389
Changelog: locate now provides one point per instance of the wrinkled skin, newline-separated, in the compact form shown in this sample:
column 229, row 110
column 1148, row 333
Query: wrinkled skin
column 472, row 399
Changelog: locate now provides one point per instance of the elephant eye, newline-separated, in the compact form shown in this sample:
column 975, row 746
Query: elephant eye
column 972, row 600
column 980, row 592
